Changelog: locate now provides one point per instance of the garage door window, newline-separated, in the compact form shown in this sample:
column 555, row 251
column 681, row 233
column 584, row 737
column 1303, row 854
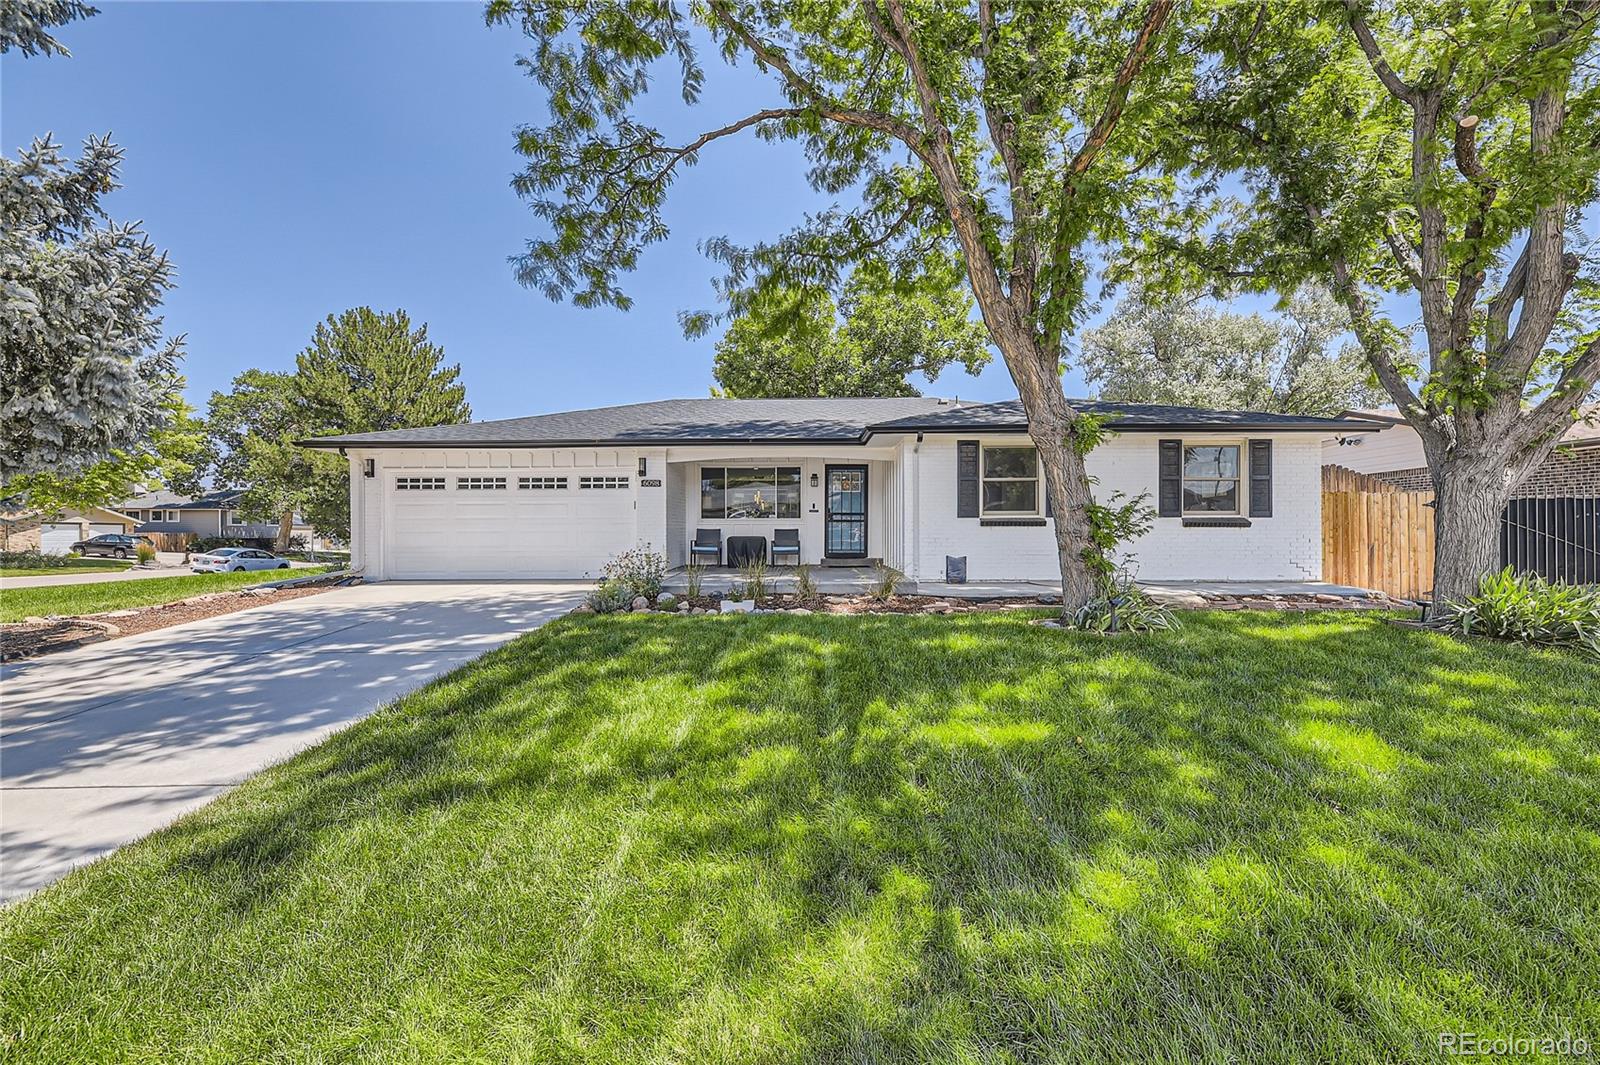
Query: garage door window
column 551, row 483
column 480, row 484
column 602, row 482
column 419, row 484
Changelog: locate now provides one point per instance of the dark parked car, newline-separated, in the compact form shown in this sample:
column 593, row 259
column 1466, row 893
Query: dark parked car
column 111, row 545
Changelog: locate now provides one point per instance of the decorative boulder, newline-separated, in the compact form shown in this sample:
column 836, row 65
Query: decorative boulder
column 641, row 603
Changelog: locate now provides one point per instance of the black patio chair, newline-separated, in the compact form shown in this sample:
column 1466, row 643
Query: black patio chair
column 786, row 544
column 707, row 544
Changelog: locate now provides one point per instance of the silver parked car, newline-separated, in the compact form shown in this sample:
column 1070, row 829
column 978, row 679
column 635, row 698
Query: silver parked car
column 235, row 559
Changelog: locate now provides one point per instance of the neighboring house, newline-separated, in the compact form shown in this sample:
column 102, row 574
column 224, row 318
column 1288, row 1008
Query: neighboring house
column 211, row 515
column 1395, row 455
column 24, row 529
column 909, row 481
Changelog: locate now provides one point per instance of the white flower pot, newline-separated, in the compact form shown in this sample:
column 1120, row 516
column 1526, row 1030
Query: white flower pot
column 743, row 606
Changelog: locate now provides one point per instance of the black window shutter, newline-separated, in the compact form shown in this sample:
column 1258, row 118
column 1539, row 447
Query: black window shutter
column 1169, row 494
column 966, row 478
column 1261, row 478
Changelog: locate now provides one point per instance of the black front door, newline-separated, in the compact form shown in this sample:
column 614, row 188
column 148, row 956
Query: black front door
column 844, row 527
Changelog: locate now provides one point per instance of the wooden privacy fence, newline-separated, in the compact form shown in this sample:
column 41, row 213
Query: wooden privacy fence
column 1376, row 536
column 171, row 541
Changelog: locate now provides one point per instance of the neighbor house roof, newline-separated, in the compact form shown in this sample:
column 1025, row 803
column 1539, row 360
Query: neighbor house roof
column 821, row 421
column 159, row 500
column 1585, row 432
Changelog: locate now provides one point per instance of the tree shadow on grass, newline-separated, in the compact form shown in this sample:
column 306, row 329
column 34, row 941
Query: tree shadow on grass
column 885, row 838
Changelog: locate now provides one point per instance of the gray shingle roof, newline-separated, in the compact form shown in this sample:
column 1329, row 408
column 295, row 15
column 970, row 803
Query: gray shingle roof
column 823, row 421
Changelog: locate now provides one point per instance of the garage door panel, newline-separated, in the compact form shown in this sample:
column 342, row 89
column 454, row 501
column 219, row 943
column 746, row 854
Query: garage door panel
column 506, row 533
column 57, row 538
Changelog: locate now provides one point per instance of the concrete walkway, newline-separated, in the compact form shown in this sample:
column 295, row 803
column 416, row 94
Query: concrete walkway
column 103, row 744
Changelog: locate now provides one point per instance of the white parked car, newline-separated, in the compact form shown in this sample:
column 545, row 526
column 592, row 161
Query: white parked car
column 234, row 559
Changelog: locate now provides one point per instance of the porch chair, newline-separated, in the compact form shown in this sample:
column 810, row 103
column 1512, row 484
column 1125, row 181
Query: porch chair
column 707, row 544
column 786, row 544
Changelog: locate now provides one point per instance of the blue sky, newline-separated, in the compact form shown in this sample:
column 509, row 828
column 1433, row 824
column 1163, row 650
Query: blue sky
column 296, row 159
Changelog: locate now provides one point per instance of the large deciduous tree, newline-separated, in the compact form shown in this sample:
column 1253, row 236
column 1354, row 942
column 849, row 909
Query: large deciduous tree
column 1187, row 352
column 868, row 344
column 1009, row 138
column 1437, row 158
column 252, row 431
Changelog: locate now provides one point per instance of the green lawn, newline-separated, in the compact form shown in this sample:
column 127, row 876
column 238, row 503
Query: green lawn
column 74, row 565
column 68, row 599
column 814, row 839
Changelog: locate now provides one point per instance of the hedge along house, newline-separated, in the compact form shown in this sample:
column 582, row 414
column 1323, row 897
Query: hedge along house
column 907, row 481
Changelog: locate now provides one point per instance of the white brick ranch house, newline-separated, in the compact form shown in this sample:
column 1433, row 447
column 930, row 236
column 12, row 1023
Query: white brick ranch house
column 909, row 481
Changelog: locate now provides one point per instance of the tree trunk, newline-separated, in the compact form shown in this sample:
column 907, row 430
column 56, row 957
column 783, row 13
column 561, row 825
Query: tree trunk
column 285, row 532
column 1470, row 492
column 1066, row 477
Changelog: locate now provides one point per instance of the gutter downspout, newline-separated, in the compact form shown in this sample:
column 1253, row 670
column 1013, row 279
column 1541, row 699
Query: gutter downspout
column 916, row 509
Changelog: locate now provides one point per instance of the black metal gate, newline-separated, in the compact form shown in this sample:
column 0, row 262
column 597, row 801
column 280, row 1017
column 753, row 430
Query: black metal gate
column 1557, row 537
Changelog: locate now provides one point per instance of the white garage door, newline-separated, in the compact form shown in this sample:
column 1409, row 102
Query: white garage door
column 57, row 539
column 98, row 527
column 506, row 524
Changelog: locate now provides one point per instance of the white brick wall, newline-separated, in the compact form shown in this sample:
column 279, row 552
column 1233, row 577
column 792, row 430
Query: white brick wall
column 1286, row 546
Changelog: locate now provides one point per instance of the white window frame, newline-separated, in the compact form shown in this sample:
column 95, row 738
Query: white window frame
column 164, row 517
column 1241, row 481
column 480, row 484
column 232, row 518
column 984, row 478
column 419, row 484
column 586, row 483
column 538, row 484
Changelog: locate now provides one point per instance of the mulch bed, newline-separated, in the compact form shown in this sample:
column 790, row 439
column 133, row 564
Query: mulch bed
column 28, row 640
column 924, row 604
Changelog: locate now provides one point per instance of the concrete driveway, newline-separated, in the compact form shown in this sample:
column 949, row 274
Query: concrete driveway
column 103, row 744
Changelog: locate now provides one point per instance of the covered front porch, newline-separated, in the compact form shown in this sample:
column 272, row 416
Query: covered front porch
column 842, row 505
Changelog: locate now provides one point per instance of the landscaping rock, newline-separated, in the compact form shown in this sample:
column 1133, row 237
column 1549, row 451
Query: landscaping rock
column 641, row 603
column 684, row 608
column 1328, row 597
column 1050, row 600
column 799, row 610
column 584, row 608
column 696, row 610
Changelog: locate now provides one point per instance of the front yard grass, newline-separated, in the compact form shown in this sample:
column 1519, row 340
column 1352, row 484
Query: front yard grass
column 73, row 565
column 69, row 600
column 809, row 839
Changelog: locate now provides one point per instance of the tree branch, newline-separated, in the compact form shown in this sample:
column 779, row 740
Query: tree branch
column 822, row 103
column 1380, row 66
column 1121, row 85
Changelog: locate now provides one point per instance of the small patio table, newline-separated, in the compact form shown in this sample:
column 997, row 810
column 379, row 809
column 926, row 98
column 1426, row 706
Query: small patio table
column 743, row 549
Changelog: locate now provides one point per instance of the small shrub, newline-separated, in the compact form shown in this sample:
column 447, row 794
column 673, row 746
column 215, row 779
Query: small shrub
column 1122, row 606
column 693, row 575
column 640, row 571
column 609, row 597
column 736, row 593
column 754, row 573
column 805, row 584
column 145, row 553
column 886, row 580
column 33, row 559
column 668, row 601
column 1527, row 608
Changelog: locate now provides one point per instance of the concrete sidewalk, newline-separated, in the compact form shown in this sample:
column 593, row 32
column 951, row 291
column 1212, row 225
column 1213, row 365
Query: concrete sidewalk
column 168, row 565
column 103, row 744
